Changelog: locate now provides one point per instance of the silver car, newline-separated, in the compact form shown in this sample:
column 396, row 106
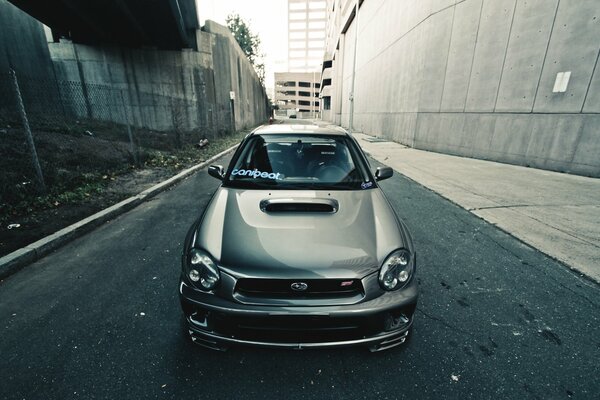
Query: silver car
column 298, row 248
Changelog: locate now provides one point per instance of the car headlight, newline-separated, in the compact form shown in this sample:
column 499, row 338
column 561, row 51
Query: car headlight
column 396, row 270
column 202, row 270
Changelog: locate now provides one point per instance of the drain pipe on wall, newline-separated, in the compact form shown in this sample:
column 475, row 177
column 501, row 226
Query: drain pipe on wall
column 351, row 116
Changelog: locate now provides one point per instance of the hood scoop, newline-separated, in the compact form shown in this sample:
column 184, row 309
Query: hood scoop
column 300, row 205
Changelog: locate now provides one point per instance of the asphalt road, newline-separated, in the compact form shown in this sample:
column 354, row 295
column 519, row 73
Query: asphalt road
column 100, row 318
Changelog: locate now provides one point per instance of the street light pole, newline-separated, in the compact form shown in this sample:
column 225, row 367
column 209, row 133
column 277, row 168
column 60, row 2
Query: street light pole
column 351, row 116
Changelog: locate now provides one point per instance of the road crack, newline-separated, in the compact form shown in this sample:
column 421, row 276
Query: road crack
column 445, row 323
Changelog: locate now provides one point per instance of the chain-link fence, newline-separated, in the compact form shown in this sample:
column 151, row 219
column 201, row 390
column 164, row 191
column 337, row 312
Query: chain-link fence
column 55, row 132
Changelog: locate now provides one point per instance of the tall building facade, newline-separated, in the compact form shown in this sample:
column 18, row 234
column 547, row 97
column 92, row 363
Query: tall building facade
column 297, row 90
column 307, row 20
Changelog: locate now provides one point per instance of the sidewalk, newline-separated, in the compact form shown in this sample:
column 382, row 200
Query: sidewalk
column 558, row 214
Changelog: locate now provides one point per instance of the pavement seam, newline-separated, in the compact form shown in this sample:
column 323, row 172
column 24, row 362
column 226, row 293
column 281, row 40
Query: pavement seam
column 533, row 205
column 13, row 262
column 515, row 210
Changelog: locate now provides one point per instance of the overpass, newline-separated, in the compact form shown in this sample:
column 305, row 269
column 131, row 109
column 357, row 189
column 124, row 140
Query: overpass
column 163, row 24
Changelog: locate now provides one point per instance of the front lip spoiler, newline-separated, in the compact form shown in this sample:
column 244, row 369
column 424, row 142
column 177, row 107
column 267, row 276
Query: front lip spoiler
column 374, row 343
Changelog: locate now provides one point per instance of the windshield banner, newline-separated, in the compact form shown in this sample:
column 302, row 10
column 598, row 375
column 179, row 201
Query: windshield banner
column 257, row 174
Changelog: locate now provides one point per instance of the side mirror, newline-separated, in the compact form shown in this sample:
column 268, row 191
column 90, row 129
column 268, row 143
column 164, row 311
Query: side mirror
column 216, row 171
column 383, row 173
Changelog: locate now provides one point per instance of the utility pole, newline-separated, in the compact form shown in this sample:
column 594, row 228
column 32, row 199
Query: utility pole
column 351, row 117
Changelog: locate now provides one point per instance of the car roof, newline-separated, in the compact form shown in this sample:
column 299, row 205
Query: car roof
column 298, row 129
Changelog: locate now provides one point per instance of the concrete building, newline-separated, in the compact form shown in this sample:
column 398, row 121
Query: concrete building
column 507, row 80
column 297, row 93
column 306, row 34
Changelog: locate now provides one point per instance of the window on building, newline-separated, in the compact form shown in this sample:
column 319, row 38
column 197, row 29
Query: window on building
column 297, row 25
column 294, row 16
column 326, row 82
column 314, row 62
column 297, row 53
column 304, row 103
column 316, row 35
column 316, row 24
column 327, row 103
column 318, row 44
column 317, row 15
column 300, row 44
column 315, row 54
column 304, row 84
column 317, row 5
column 297, row 35
column 304, row 94
column 297, row 6
column 317, row 85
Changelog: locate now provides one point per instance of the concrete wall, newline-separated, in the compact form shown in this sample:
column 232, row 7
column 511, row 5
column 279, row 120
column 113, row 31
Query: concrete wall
column 161, row 89
column 233, row 72
column 22, row 43
column 475, row 78
column 157, row 88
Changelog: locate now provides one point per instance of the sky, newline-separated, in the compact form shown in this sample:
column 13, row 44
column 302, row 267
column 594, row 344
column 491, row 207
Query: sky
column 266, row 18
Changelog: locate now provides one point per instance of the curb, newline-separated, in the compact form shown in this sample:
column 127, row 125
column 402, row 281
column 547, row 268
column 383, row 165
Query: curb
column 13, row 262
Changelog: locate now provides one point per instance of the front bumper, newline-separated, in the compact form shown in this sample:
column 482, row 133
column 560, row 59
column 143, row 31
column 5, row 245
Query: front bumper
column 379, row 324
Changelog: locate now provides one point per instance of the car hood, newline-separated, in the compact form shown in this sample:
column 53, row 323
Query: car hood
column 349, row 243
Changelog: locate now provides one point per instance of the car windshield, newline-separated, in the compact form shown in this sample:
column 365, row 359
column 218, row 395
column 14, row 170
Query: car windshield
column 287, row 161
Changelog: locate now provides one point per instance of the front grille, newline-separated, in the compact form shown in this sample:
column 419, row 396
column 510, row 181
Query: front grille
column 315, row 288
column 291, row 329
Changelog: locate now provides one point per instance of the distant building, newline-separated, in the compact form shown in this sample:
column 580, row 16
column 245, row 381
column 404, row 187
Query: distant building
column 296, row 93
column 307, row 20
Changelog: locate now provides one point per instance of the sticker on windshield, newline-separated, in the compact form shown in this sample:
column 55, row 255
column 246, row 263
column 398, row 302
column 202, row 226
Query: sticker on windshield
column 366, row 185
column 257, row 174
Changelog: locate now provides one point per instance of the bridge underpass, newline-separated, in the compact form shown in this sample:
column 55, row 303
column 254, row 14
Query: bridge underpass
column 163, row 24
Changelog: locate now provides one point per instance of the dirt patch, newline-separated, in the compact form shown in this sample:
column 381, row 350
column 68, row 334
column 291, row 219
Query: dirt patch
column 38, row 224
column 84, row 174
